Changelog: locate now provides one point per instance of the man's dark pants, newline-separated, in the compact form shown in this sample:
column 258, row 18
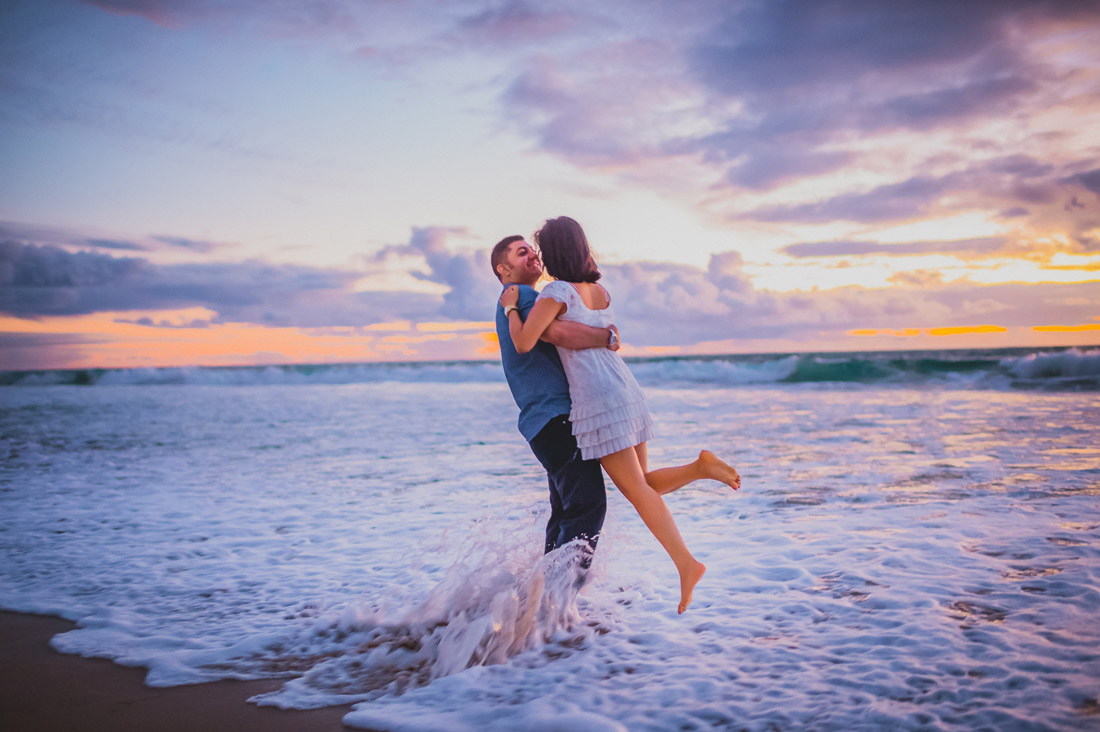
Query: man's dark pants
column 578, row 500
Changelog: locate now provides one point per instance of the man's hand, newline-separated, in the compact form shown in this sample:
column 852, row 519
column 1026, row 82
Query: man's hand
column 613, row 343
column 571, row 334
column 510, row 296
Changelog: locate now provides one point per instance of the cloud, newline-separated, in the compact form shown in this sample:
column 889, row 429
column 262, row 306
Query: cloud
column 276, row 16
column 996, row 184
column 759, row 95
column 162, row 13
column 980, row 98
column 773, row 47
column 44, row 340
column 42, row 280
column 721, row 97
column 909, row 199
column 659, row 304
column 1090, row 180
column 48, row 280
column 987, row 246
column 617, row 105
column 13, row 231
column 515, row 22
column 466, row 274
column 192, row 245
column 115, row 244
column 655, row 303
column 53, row 267
column 920, row 278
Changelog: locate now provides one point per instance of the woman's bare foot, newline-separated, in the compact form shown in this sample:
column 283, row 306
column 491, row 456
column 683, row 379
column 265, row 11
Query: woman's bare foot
column 715, row 469
column 688, row 580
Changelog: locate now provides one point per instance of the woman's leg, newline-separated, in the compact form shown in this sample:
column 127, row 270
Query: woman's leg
column 707, row 465
column 626, row 473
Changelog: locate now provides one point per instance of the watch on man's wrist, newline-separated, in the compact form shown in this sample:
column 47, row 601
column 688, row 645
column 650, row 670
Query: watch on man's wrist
column 613, row 338
column 508, row 310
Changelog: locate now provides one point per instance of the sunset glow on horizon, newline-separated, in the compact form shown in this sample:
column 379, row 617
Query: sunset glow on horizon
column 194, row 183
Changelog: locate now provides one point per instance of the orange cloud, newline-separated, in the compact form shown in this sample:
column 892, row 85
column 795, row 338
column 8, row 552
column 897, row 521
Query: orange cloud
column 967, row 330
column 491, row 345
column 1066, row 328
column 914, row 332
column 903, row 333
column 188, row 338
column 453, row 327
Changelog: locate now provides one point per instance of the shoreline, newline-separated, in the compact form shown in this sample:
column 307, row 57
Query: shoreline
column 42, row 689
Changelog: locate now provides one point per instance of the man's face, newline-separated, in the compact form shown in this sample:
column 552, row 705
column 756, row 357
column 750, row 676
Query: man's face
column 522, row 263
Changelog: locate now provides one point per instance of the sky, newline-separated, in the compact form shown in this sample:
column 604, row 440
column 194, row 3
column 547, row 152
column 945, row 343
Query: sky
column 201, row 182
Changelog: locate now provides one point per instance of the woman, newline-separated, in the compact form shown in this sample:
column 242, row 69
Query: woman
column 610, row 418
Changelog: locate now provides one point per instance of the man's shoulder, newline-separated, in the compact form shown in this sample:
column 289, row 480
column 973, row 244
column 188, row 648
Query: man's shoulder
column 527, row 294
column 527, row 297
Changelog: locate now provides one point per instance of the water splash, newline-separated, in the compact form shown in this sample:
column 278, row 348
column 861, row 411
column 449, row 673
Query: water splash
column 486, row 610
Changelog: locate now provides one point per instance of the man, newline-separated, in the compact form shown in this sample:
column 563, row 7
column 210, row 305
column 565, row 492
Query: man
column 578, row 499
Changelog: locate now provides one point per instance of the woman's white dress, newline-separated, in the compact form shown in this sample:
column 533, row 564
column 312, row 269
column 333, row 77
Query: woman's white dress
column 609, row 411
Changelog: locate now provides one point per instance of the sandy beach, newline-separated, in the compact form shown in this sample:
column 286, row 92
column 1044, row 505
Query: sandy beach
column 42, row 690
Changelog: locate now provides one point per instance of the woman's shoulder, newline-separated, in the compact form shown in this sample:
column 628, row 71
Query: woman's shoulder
column 557, row 289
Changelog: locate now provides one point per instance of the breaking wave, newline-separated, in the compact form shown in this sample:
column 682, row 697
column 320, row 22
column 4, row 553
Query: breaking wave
column 1020, row 368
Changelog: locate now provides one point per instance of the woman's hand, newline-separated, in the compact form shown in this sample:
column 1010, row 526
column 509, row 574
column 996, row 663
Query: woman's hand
column 510, row 296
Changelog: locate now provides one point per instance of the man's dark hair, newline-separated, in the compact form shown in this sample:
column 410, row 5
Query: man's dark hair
column 565, row 251
column 501, row 248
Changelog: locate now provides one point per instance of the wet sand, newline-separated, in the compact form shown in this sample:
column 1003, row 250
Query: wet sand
column 43, row 690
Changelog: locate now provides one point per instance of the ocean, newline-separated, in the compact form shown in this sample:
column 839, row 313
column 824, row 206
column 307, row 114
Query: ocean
column 916, row 545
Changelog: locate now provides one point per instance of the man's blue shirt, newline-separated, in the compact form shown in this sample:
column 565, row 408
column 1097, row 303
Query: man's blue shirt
column 536, row 378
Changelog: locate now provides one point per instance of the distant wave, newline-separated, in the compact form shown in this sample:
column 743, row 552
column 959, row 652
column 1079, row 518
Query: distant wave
column 1020, row 368
column 435, row 372
column 1072, row 368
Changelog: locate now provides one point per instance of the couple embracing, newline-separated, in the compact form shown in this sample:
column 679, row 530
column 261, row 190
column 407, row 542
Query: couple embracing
column 580, row 408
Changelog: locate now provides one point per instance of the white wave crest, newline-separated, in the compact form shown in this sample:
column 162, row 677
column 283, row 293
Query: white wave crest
column 295, row 375
column 1074, row 363
column 714, row 372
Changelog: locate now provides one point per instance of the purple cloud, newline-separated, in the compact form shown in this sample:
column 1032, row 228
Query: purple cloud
column 662, row 304
column 1090, row 180
column 908, row 199
column 790, row 88
column 655, row 303
column 31, row 234
column 996, row 184
column 282, row 17
column 466, row 273
column 193, row 245
column 50, row 280
column 115, row 244
column 964, row 247
column 514, row 22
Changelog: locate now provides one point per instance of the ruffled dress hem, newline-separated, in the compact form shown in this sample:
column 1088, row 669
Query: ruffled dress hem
column 612, row 429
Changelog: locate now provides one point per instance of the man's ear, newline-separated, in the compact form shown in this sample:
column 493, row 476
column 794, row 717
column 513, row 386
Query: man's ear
column 501, row 273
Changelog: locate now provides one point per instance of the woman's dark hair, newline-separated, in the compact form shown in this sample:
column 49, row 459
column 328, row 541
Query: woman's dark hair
column 565, row 251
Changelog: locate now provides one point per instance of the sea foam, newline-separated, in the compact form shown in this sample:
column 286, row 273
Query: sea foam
column 896, row 558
